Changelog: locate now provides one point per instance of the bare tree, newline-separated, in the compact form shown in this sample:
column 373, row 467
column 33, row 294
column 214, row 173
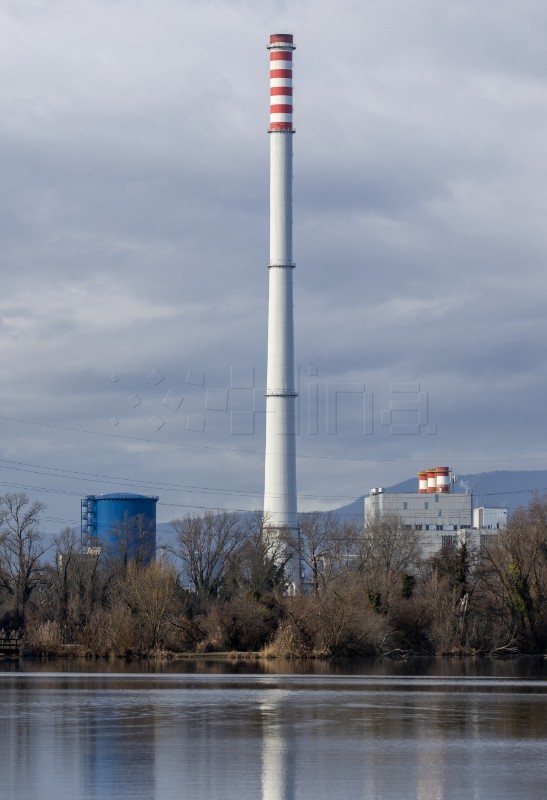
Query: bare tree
column 21, row 549
column 393, row 551
column 258, row 565
column 74, row 583
column 516, row 574
column 132, row 539
column 328, row 547
column 206, row 545
column 151, row 593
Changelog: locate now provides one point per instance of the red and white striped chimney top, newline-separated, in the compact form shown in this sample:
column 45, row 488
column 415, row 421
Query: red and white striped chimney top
column 281, row 106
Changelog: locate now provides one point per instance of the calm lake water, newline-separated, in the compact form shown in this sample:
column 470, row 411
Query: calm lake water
column 432, row 730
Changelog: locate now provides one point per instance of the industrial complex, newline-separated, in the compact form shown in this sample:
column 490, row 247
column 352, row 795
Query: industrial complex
column 443, row 518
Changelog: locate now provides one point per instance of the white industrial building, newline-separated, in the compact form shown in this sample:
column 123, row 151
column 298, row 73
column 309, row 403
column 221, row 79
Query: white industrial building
column 490, row 518
column 441, row 517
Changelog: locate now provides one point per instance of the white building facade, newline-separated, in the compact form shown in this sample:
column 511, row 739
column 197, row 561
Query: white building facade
column 443, row 519
column 491, row 518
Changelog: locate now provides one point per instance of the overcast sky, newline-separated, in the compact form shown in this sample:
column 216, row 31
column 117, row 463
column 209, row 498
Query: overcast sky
column 134, row 243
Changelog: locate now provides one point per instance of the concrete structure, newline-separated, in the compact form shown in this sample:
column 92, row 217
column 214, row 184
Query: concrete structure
column 475, row 538
column 439, row 516
column 280, row 460
column 490, row 518
column 125, row 524
column 442, row 518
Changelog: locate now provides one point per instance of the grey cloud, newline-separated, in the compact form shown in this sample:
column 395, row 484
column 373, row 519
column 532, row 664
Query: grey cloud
column 134, row 225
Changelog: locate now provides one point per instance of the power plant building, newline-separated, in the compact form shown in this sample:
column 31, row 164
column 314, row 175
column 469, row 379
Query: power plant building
column 441, row 517
column 444, row 513
column 438, row 517
column 124, row 524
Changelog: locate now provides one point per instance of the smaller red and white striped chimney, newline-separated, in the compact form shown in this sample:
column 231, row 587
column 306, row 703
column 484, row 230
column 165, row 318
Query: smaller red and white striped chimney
column 434, row 481
column 422, row 481
column 443, row 480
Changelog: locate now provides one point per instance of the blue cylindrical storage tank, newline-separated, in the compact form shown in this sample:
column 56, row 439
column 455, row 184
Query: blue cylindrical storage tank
column 124, row 524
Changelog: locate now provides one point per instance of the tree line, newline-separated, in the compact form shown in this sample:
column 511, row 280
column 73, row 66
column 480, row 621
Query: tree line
column 221, row 585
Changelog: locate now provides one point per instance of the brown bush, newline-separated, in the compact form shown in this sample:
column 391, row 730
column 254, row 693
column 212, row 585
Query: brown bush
column 287, row 642
column 111, row 632
column 43, row 638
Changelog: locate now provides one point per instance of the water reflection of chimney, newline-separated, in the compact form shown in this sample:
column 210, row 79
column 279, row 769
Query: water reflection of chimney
column 432, row 762
column 278, row 754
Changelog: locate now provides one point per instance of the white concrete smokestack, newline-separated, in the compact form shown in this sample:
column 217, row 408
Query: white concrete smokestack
column 280, row 462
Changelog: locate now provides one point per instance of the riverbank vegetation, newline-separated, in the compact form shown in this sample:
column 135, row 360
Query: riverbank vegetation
column 221, row 586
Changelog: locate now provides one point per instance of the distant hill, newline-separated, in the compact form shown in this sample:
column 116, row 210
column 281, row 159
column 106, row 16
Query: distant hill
column 504, row 488
column 165, row 534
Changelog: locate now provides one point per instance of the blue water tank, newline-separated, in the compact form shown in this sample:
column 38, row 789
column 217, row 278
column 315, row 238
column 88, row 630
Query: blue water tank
column 123, row 524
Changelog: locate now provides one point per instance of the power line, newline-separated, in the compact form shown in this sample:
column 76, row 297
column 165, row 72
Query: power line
column 241, row 451
column 72, row 474
column 31, row 487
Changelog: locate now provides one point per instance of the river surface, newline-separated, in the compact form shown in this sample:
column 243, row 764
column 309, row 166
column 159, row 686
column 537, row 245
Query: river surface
column 437, row 730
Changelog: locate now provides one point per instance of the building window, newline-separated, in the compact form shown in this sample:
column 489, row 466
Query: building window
column 426, row 505
column 436, row 498
column 448, row 541
column 407, row 527
column 439, row 527
column 440, row 513
column 417, row 527
column 405, row 505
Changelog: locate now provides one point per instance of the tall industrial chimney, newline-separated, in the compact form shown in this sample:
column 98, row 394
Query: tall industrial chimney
column 280, row 462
